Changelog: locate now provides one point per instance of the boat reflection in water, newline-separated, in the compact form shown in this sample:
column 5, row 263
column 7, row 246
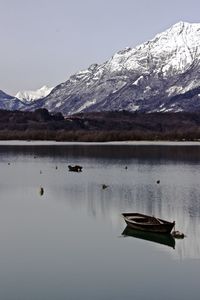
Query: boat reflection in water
column 164, row 239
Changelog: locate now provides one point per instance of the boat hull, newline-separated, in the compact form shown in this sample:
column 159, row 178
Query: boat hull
column 161, row 226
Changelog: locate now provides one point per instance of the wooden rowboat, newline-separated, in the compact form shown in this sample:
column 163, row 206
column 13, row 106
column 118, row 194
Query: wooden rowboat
column 147, row 223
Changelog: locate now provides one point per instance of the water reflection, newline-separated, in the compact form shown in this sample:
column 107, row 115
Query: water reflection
column 66, row 245
column 142, row 153
column 164, row 239
column 134, row 189
column 175, row 198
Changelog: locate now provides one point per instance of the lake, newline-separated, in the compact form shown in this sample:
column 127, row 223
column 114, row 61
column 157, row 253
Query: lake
column 72, row 243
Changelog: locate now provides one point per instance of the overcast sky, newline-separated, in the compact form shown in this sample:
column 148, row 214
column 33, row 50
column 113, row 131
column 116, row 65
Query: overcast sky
column 43, row 42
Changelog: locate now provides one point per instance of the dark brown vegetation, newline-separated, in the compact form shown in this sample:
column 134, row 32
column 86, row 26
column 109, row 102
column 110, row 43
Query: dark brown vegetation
column 99, row 126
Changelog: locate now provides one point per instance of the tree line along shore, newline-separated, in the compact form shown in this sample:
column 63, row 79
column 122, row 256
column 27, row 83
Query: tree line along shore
column 99, row 126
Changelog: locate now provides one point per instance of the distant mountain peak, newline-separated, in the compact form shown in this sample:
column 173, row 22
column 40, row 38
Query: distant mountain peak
column 182, row 24
column 30, row 95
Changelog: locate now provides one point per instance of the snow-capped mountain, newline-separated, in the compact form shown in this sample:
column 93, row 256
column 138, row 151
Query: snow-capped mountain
column 162, row 74
column 9, row 102
column 28, row 96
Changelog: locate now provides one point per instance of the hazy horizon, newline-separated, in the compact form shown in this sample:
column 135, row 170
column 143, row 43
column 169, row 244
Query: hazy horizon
column 46, row 42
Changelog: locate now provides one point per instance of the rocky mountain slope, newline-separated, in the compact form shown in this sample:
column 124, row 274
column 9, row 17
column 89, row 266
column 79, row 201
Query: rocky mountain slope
column 9, row 102
column 161, row 75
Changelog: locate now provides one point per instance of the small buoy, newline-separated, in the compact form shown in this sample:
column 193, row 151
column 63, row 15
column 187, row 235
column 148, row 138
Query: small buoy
column 40, row 172
column 104, row 186
column 126, row 168
column 178, row 235
column 9, row 164
column 56, row 167
column 158, row 181
column 41, row 191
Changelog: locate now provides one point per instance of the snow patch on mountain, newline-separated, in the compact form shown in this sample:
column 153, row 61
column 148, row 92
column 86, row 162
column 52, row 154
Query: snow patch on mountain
column 86, row 105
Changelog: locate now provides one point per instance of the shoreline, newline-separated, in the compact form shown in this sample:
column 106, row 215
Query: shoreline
column 111, row 143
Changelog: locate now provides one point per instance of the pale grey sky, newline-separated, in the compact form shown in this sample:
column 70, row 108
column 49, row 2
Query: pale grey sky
column 46, row 41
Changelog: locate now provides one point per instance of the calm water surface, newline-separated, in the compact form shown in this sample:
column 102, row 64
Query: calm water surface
column 70, row 243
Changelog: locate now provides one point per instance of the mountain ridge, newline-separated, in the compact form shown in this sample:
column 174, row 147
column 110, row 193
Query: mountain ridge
column 144, row 78
column 160, row 75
